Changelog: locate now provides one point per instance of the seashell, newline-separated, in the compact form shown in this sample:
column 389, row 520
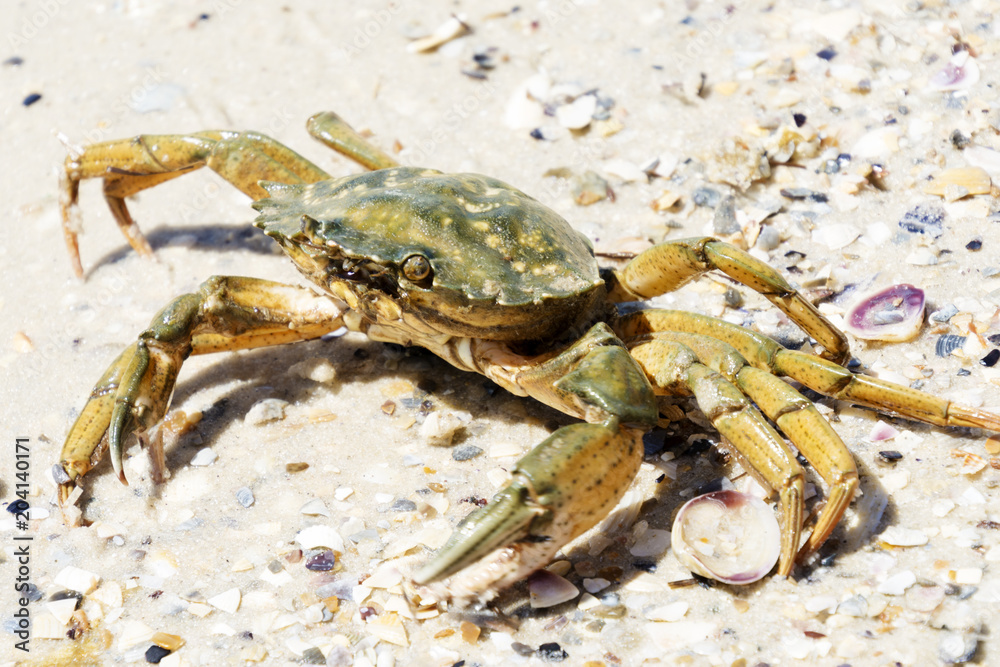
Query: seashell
column 947, row 344
column 453, row 28
column 577, row 114
column 729, row 536
column 961, row 73
column 893, row 314
column 972, row 180
column 546, row 589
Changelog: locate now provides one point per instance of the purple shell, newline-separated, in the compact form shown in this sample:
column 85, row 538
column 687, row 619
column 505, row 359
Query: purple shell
column 894, row 314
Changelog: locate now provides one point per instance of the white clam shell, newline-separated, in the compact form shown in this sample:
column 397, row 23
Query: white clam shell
column 729, row 536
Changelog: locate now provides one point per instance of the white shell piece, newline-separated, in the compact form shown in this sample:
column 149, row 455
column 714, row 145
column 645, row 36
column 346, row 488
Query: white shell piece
column 729, row 536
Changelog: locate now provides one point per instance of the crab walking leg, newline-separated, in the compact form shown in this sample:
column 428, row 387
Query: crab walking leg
column 794, row 414
column 131, row 165
column 566, row 484
column 668, row 266
column 333, row 131
column 818, row 374
column 227, row 313
column 675, row 370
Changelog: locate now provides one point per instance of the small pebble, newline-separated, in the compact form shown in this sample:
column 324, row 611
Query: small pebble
column 204, row 457
column 706, row 197
column 829, row 53
column 974, row 244
column 439, row 428
column 890, row 455
column 244, row 496
column 154, row 654
column 229, row 601
column 898, row 536
column 990, row 360
column 552, row 652
column 324, row 561
column 31, row 99
column 266, row 410
column 466, row 452
column 944, row 314
column 897, row 583
column 956, row 649
column 924, row 219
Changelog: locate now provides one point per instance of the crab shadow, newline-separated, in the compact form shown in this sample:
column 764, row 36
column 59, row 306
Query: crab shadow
column 217, row 237
column 356, row 359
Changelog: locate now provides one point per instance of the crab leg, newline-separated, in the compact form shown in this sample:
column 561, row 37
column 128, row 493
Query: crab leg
column 818, row 374
column 567, row 483
column 129, row 166
column 333, row 131
column 794, row 414
column 675, row 370
column 227, row 313
column 668, row 266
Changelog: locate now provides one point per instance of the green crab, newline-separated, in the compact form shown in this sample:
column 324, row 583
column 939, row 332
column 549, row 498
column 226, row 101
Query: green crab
column 495, row 283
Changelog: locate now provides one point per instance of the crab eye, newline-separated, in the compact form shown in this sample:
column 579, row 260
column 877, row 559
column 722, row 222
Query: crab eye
column 416, row 268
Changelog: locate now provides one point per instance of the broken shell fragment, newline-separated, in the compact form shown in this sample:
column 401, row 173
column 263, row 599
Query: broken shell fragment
column 729, row 536
column 893, row 314
column 974, row 180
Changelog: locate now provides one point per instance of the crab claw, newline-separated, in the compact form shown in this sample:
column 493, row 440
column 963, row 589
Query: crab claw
column 559, row 490
column 132, row 396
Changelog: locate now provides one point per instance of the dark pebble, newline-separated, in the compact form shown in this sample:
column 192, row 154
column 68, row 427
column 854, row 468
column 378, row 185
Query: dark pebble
column 799, row 118
column 66, row 595
column 844, row 159
column 962, row 372
column 31, row 99
column 552, row 652
column 990, row 360
column 974, row 244
column 890, row 455
column 654, row 442
column 829, row 53
column 14, row 61
column 466, row 452
column 18, row 506
column 644, row 565
column 994, row 338
column 803, row 193
column 156, row 653
column 322, row 562
column 959, row 140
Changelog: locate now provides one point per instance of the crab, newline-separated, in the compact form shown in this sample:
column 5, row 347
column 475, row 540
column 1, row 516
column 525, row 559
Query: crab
column 493, row 282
